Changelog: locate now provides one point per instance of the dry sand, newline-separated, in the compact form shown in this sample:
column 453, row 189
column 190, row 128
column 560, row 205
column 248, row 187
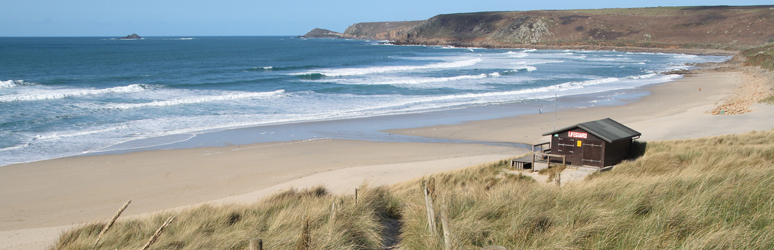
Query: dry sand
column 39, row 200
column 675, row 110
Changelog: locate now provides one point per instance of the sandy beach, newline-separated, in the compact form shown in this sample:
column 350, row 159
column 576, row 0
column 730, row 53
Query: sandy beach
column 41, row 199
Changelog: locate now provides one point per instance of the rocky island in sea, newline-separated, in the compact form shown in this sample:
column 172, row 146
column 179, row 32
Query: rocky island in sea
column 133, row 36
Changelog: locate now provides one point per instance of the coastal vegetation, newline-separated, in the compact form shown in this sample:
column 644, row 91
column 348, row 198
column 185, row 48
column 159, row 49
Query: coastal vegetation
column 707, row 193
column 762, row 56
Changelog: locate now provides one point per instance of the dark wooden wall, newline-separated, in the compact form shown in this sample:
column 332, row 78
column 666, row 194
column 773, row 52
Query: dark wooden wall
column 600, row 152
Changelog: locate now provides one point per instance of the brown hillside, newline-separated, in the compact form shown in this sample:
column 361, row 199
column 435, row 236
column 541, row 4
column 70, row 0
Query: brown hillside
column 709, row 27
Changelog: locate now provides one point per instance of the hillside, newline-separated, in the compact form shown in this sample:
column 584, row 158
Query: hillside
column 714, row 27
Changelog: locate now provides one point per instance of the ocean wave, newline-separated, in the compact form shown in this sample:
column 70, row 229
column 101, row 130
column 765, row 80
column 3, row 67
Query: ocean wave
column 275, row 68
column 410, row 80
column 517, row 54
column 386, row 69
column 61, row 135
column 467, row 99
column 522, row 66
column 65, row 93
column 198, row 99
column 264, row 68
column 7, row 84
column 14, row 83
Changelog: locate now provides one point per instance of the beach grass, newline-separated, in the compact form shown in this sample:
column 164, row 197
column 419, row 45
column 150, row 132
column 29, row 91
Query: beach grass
column 712, row 193
column 278, row 220
column 707, row 193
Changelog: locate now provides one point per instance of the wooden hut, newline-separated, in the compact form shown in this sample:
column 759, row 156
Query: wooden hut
column 599, row 143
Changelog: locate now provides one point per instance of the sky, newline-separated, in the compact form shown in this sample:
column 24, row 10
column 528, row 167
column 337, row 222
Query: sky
column 111, row 18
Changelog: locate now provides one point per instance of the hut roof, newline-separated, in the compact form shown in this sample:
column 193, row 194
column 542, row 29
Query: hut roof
column 606, row 129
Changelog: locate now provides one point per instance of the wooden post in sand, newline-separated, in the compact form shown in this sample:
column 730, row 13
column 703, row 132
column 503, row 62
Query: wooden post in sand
column 109, row 224
column 332, row 219
column 256, row 244
column 447, row 240
column 333, row 212
column 355, row 196
column 430, row 211
column 558, row 179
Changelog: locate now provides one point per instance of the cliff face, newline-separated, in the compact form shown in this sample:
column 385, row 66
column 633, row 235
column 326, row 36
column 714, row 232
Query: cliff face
column 380, row 30
column 716, row 27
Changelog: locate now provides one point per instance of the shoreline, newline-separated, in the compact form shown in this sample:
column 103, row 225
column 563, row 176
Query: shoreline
column 204, row 136
column 69, row 191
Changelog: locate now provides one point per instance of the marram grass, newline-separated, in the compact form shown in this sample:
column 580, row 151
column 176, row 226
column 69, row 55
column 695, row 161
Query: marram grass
column 709, row 193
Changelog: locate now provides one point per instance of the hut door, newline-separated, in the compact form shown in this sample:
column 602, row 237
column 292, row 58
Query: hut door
column 592, row 153
column 565, row 146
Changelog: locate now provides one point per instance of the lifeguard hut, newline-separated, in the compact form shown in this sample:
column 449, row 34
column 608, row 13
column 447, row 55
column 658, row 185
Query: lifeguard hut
column 599, row 143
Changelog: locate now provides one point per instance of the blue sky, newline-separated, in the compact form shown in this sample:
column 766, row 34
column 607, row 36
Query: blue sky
column 113, row 18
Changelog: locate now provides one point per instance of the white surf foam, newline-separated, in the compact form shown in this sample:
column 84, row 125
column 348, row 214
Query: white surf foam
column 49, row 94
column 386, row 69
column 514, row 54
column 407, row 80
column 199, row 99
column 13, row 83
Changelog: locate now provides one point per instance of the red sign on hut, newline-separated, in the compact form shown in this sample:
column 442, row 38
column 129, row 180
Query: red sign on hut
column 581, row 135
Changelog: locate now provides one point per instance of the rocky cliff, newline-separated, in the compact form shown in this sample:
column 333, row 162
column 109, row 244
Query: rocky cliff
column 380, row 30
column 713, row 27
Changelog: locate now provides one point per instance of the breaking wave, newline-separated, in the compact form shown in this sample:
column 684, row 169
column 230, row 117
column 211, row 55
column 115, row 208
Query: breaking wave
column 66, row 93
column 198, row 99
column 386, row 69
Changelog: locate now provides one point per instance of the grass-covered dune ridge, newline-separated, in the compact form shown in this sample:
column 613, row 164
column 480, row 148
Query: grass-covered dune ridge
column 708, row 193
column 712, row 193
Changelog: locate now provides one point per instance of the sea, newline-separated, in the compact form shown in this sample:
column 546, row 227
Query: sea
column 62, row 97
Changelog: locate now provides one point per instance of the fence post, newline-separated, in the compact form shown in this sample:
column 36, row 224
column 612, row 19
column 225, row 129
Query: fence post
column 447, row 240
column 430, row 211
column 355, row 196
column 558, row 179
column 256, row 244
column 332, row 219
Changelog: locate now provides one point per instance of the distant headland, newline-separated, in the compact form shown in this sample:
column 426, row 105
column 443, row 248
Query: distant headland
column 321, row 33
column 716, row 28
